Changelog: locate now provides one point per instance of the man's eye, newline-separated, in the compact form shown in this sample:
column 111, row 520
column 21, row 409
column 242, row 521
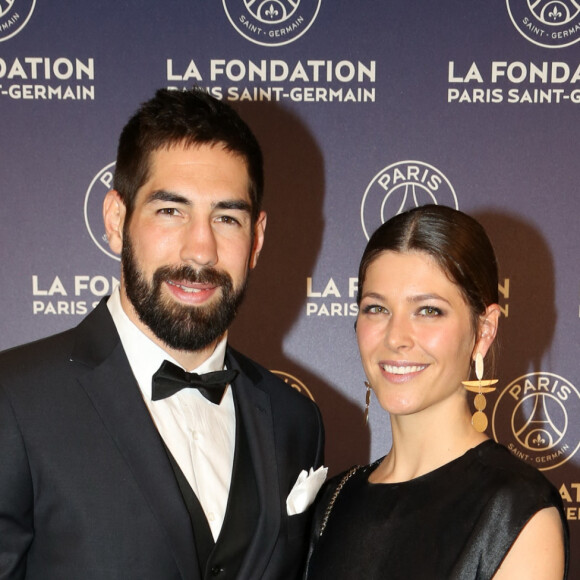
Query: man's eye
column 168, row 211
column 228, row 219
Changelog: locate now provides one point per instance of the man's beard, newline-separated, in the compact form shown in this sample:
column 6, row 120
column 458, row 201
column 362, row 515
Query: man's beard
column 181, row 327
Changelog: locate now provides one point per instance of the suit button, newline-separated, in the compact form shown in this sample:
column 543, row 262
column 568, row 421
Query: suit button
column 216, row 571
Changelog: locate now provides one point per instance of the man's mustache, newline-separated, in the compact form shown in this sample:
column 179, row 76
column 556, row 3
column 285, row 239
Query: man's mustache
column 186, row 273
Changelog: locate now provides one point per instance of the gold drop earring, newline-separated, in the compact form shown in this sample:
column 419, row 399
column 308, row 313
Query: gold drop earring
column 479, row 418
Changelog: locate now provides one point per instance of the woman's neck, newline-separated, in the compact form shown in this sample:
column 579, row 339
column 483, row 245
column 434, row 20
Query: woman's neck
column 425, row 441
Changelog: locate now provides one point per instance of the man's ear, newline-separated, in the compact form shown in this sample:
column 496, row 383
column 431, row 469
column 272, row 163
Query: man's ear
column 487, row 331
column 114, row 212
column 259, row 229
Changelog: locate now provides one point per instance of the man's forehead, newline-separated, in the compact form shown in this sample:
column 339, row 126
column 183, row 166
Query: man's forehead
column 227, row 162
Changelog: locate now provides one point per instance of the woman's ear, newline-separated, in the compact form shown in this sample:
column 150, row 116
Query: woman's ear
column 114, row 212
column 487, row 329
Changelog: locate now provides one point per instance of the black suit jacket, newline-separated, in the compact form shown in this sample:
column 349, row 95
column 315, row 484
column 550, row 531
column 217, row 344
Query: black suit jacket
column 86, row 488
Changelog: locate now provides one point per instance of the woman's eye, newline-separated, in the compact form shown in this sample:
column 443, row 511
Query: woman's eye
column 430, row 311
column 374, row 309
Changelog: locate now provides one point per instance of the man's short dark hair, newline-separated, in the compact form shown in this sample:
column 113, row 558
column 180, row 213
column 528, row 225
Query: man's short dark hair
column 188, row 118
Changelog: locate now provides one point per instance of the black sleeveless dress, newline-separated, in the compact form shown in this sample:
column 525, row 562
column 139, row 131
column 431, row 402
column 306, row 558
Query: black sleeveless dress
column 455, row 523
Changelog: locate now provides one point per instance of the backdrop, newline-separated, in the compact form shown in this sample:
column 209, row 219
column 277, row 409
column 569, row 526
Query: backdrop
column 363, row 109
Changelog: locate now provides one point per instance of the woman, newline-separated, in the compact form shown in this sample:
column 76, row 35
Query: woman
column 446, row 502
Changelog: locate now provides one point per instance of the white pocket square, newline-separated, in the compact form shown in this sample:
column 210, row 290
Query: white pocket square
column 305, row 490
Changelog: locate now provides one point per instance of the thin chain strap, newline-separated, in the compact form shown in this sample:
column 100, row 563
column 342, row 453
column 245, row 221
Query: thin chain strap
column 339, row 487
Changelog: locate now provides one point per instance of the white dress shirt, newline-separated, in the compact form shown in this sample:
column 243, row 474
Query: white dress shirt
column 200, row 435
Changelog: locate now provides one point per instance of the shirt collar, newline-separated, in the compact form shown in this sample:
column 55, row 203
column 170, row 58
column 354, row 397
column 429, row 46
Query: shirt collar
column 145, row 357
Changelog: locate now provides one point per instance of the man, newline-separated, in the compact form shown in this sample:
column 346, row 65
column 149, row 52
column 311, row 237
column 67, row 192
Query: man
column 114, row 466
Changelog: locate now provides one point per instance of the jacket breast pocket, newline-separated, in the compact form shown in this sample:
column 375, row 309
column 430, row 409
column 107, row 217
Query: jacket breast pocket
column 299, row 524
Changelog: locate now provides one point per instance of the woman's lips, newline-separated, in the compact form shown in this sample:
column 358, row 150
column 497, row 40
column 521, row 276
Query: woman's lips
column 402, row 369
column 401, row 372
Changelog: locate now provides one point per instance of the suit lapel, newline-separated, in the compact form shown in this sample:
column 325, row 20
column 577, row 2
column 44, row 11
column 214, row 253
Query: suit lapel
column 112, row 388
column 256, row 418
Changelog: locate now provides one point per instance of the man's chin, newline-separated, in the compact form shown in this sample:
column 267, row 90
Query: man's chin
column 196, row 345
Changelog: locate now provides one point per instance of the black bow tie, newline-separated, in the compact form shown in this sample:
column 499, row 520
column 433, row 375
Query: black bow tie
column 170, row 379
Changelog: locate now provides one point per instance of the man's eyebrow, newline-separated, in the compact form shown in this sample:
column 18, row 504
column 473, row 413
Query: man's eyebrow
column 163, row 195
column 227, row 204
column 235, row 204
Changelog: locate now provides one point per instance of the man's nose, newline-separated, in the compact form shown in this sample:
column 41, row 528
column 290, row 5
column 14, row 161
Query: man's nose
column 199, row 245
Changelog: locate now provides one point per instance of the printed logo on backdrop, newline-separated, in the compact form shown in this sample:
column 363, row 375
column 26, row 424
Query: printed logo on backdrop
column 102, row 182
column 395, row 189
column 61, row 294
column 294, row 383
column 14, row 15
column 306, row 81
column 38, row 78
column 400, row 187
column 535, row 417
column 271, row 22
column 547, row 23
